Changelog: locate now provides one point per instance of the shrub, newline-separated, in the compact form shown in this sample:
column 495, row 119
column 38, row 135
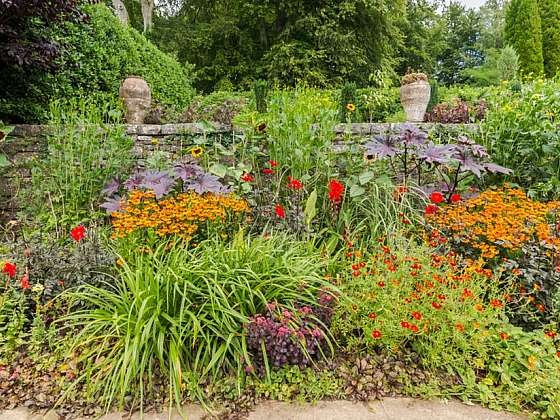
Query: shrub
column 260, row 92
column 461, row 113
column 97, row 57
column 219, row 106
column 508, row 64
column 181, row 312
column 520, row 131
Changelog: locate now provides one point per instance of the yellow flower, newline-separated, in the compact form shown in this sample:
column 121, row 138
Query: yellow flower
column 351, row 107
column 197, row 152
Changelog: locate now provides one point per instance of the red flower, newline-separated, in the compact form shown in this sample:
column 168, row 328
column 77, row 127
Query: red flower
column 25, row 281
column 414, row 328
column 377, row 334
column 9, row 269
column 496, row 303
column 273, row 163
column 247, row 177
column 381, row 284
column 372, row 315
column 558, row 354
column 280, row 211
column 336, row 191
column 417, row 315
column 551, row 334
column 504, row 336
column 441, row 297
column 431, row 209
column 436, row 305
column 294, row 184
column 455, row 198
column 437, row 197
column 356, row 273
column 78, row 233
column 405, row 324
column 267, row 171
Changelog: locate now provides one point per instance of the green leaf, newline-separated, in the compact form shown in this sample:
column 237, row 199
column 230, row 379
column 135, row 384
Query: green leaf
column 365, row 177
column 311, row 208
column 356, row 191
column 4, row 161
column 218, row 169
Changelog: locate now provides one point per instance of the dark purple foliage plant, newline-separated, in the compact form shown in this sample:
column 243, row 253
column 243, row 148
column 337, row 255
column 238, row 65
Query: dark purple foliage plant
column 415, row 159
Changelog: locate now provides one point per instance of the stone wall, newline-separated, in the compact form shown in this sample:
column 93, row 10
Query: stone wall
column 28, row 142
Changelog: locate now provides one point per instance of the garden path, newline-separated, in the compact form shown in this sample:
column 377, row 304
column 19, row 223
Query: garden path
column 388, row 409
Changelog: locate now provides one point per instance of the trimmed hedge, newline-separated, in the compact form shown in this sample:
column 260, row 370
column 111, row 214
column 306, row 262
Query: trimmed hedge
column 97, row 56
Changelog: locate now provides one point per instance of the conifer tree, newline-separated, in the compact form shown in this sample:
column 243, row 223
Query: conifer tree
column 523, row 33
column 550, row 22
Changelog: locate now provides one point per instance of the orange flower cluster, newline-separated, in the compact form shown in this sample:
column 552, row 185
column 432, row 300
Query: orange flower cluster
column 497, row 222
column 181, row 216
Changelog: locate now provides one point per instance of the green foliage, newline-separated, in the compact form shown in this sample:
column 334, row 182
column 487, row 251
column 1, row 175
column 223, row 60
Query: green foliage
column 520, row 132
column 291, row 383
column 347, row 110
column 13, row 307
column 459, row 29
column 85, row 149
column 300, row 129
column 286, row 42
column 523, row 33
column 550, row 22
column 260, row 92
column 434, row 95
column 181, row 312
column 379, row 104
column 508, row 64
column 97, row 57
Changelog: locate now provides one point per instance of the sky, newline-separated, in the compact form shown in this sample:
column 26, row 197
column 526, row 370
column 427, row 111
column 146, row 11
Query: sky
column 473, row 3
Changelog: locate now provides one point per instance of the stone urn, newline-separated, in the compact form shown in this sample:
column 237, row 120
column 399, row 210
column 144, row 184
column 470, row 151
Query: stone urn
column 137, row 98
column 415, row 98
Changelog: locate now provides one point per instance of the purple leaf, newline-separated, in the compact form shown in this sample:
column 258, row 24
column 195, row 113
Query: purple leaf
column 112, row 205
column 382, row 147
column 206, row 183
column 412, row 135
column 134, row 182
column 433, row 153
column 112, row 186
column 497, row 169
column 468, row 164
column 159, row 182
column 187, row 171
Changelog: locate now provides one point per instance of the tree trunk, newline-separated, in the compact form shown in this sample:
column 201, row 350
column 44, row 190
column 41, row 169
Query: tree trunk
column 120, row 11
column 147, row 11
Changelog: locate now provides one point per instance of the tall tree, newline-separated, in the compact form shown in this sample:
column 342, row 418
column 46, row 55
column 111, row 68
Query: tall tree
column 419, row 48
column 550, row 23
column 523, row 33
column 459, row 32
column 321, row 42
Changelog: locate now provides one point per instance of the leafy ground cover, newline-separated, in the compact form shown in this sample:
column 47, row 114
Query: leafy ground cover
column 278, row 266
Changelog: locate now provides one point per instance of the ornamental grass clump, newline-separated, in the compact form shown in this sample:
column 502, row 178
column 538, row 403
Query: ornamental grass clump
column 179, row 312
